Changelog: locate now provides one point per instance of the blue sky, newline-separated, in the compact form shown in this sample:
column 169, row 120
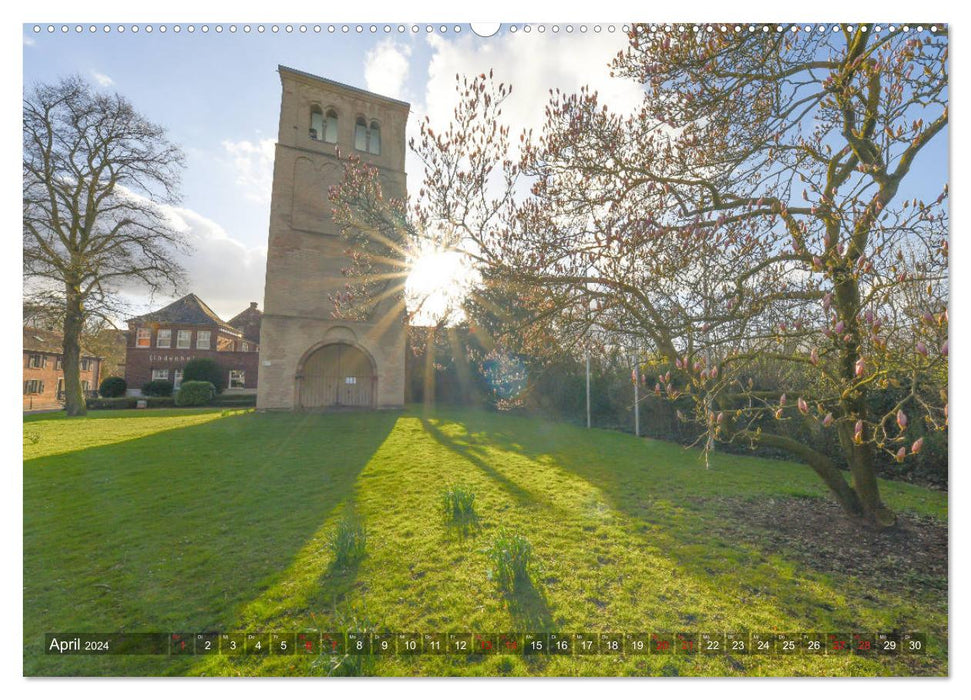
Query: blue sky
column 218, row 93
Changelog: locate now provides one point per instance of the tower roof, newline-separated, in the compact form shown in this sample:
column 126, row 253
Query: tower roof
column 343, row 86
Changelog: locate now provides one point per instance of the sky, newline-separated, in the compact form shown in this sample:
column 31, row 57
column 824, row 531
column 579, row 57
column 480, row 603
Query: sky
column 218, row 94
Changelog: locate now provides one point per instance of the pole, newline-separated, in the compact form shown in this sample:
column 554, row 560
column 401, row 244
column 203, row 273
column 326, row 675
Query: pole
column 588, row 388
column 637, row 406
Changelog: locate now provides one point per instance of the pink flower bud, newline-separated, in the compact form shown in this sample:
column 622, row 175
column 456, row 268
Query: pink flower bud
column 828, row 420
column 921, row 348
column 902, row 419
column 803, row 406
column 840, row 326
column 778, row 414
column 901, row 453
column 814, row 356
column 916, row 447
column 860, row 367
column 944, row 349
column 721, row 418
column 782, row 400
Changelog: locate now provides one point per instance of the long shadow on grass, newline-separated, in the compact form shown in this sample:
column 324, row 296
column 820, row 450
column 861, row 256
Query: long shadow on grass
column 468, row 453
column 653, row 497
column 175, row 531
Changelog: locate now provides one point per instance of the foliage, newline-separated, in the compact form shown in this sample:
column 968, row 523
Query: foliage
column 113, row 387
column 234, row 400
column 195, row 393
column 756, row 208
column 511, row 556
column 348, row 541
column 157, row 387
column 94, row 174
column 458, row 503
column 204, row 369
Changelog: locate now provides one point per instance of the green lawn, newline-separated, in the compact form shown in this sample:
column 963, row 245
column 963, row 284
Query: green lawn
column 201, row 520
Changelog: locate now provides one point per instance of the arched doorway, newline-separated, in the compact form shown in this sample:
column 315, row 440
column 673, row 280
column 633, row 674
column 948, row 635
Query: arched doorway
column 338, row 375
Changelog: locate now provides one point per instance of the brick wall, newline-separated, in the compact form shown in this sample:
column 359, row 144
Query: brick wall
column 140, row 362
column 48, row 375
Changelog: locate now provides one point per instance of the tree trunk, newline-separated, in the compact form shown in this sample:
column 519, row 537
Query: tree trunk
column 71, row 363
column 846, row 496
column 865, row 486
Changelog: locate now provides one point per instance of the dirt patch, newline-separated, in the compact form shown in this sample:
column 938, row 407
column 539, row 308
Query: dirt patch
column 817, row 532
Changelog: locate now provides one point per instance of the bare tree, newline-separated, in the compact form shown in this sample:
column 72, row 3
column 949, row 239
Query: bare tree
column 95, row 172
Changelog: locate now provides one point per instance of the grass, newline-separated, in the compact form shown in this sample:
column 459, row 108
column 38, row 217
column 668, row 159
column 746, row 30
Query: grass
column 196, row 520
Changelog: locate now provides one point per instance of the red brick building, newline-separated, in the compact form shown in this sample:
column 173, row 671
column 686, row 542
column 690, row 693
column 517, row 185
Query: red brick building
column 162, row 342
column 44, row 375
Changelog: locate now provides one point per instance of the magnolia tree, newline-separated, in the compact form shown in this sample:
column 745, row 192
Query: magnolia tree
column 757, row 216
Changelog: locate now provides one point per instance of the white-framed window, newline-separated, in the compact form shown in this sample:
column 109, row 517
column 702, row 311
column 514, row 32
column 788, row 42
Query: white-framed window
column 245, row 346
column 203, row 340
column 159, row 374
column 33, row 386
column 60, row 387
column 164, row 338
column 350, row 380
column 184, row 340
column 58, row 362
column 143, row 338
column 177, row 380
column 85, row 364
column 85, row 386
column 237, row 379
column 36, row 361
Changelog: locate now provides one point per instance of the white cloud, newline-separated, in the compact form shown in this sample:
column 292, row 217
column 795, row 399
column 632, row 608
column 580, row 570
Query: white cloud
column 102, row 79
column 223, row 272
column 253, row 163
column 29, row 40
column 533, row 64
column 386, row 68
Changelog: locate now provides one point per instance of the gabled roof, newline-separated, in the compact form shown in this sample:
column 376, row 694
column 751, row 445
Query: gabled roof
column 248, row 321
column 42, row 340
column 189, row 310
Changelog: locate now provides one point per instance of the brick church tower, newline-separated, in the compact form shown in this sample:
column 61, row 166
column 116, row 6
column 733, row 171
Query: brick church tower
column 310, row 359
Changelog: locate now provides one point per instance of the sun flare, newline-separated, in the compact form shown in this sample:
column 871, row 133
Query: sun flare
column 438, row 282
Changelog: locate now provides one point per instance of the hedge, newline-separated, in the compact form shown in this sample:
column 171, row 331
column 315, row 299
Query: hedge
column 130, row 402
column 194, row 393
column 157, row 387
column 113, row 387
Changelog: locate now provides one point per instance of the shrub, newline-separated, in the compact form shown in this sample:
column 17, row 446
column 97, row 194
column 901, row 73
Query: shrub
column 112, row 403
column 195, row 393
column 511, row 555
column 203, row 369
column 348, row 541
column 113, row 387
column 458, row 503
column 157, row 387
column 234, row 400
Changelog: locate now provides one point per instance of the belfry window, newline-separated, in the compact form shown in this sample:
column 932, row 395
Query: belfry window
column 367, row 139
column 330, row 127
column 360, row 134
column 316, row 124
column 374, row 139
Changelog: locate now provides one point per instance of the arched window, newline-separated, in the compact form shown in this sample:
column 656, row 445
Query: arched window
column 360, row 134
column 330, row 127
column 374, row 139
column 316, row 123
